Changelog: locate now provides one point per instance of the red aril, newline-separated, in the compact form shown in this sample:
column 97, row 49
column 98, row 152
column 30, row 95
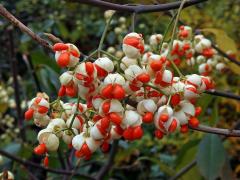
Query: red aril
column 164, row 117
column 29, row 114
column 118, row 92
column 63, row 59
column 148, row 117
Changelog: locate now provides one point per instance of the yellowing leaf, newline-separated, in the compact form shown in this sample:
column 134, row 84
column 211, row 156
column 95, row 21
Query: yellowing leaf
column 225, row 43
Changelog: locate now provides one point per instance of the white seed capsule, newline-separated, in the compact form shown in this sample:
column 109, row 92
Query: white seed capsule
column 68, row 135
column 220, row 67
column 147, row 105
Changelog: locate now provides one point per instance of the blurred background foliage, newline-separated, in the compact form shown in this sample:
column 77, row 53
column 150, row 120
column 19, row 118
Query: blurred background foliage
column 83, row 25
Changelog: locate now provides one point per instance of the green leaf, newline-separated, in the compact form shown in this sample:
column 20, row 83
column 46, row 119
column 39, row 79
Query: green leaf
column 204, row 102
column 12, row 148
column 186, row 155
column 227, row 172
column 39, row 58
column 214, row 117
column 225, row 43
column 49, row 79
column 162, row 166
column 63, row 30
column 222, row 39
column 210, row 156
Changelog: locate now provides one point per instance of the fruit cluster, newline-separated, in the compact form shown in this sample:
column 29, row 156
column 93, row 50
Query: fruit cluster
column 105, row 87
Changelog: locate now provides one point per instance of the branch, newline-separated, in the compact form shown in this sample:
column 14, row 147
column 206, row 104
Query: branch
column 13, row 20
column 30, row 163
column 138, row 8
column 5, row 13
column 203, row 128
column 109, row 162
column 233, row 60
column 220, row 131
column 194, row 162
column 13, row 62
column 61, row 159
column 30, row 174
column 223, row 94
column 44, row 43
column 184, row 170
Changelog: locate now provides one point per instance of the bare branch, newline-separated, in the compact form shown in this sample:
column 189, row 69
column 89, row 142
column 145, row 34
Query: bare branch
column 203, row 128
column 109, row 162
column 5, row 13
column 194, row 162
column 220, row 131
column 184, row 170
column 13, row 61
column 233, row 60
column 30, row 163
column 44, row 43
column 138, row 8
column 61, row 159
column 223, row 94
column 53, row 38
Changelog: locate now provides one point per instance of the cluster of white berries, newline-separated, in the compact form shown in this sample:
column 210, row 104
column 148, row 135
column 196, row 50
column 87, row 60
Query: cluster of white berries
column 120, row 29
column 207, row 57
column 4, row 98
column 7, row 128
column 104, row 89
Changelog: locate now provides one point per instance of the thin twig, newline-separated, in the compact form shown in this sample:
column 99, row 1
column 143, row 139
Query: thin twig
column 109, row 162
column 203, row 128
column 226, row 55
column 5, row 13
column 30, row 174
column 61, row 159
column 194, row 162
column 74, row 169
column 53, row 38
column 220, row 131
column 223, row 94
column 104, row 35
column 12, row 57
column 172, row 38
column 138, row 8
column 30, row 163
column 166, row 31
column 184, row 170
